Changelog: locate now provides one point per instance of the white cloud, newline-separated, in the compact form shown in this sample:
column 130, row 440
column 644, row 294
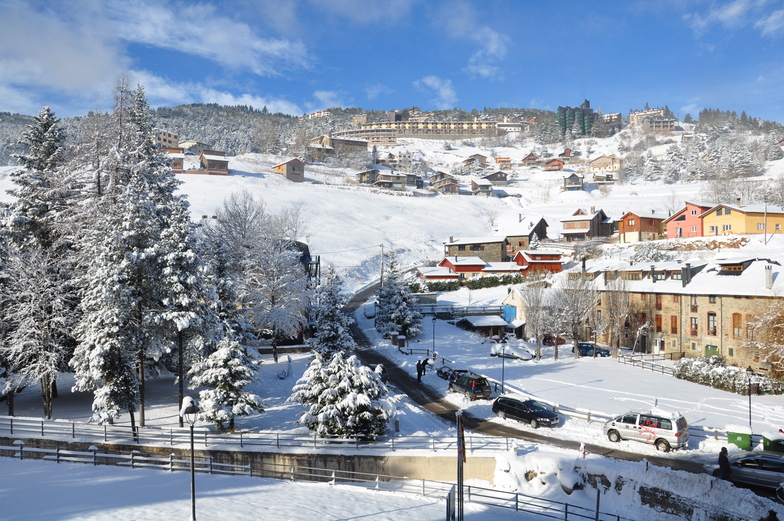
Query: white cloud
column 375, row 91
column 364, row 12
column 691, row 108
column 772, row 25
column 327, row 99
column 462, row 21
column 446, row 97
column 202, row 30
column 161, row 92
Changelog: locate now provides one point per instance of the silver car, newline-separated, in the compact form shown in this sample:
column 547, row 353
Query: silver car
column 662, row 429
column 759, row 469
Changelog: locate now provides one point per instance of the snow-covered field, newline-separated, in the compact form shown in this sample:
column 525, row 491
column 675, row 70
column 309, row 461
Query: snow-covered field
column 346, row 226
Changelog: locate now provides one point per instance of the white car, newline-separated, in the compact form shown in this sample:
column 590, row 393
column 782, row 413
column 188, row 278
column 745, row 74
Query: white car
column 510, row 351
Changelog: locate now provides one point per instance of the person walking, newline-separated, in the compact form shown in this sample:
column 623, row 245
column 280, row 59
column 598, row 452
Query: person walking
column 425, row 363
column 419, row 370
column 724, row 465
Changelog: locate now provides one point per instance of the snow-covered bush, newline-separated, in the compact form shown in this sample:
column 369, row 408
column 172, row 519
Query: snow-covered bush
column 345, row 398
column 714, row 372
column 226, row 372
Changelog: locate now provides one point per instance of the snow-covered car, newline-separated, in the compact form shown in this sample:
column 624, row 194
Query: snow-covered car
column 549, row 340
column 591, row 349
column 510, row 351
column 759, row 469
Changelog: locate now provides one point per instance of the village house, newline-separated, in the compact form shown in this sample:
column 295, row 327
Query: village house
column 605, row 164
column 566, row 153
column 335, row 145
column 176, row 161
column 449, row 187
column 583, row 226
column 390, row 181
column 530, row 160
column 475, row 162
column 464, row 267
column 214, row 162
column 504, row 163
column 686, row 222
column 167, row 139
column 725, row 219
column 368, row 177
column 539, row 260
column 695, row 309
column 603, row 178
column 572, row 182
column 437, row 274
column 497, row 178
column 293, row 170
column 633, row 227
column 554, row 165
column 489, row 249
column 194, row 147
column 482, row 187
column 519, row 236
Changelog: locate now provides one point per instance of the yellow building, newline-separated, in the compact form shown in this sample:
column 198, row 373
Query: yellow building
column 725, row 219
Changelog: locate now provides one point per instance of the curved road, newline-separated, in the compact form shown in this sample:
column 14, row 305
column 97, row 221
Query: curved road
column 433, row 402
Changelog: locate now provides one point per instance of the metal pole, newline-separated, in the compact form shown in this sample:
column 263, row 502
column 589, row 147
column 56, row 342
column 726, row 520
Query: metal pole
column 750, row 428
column 503, row 366
column 193, row 480
column 434, row 331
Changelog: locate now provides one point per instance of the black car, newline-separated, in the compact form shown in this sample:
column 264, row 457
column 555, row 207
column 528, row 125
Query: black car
column 473, row 386
column 529, row 411
column 758, row 469
column 591, row 349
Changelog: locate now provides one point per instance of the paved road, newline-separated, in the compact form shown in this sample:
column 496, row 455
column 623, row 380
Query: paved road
column 434, row 402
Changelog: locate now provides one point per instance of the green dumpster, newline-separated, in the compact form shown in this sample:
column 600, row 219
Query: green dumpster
column 740, row 439
column 773, row 445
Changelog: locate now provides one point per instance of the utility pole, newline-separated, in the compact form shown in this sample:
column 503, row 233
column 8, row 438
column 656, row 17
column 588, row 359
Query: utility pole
column 382, row 267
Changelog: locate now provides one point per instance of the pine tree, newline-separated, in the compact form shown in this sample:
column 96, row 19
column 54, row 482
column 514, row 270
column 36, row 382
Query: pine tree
column 328, row 313
column 396, row 306
column 344, row 398
column 226, row 372
column 535, row 242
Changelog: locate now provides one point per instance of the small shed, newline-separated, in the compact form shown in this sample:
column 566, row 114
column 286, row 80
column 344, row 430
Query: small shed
column 489, row 325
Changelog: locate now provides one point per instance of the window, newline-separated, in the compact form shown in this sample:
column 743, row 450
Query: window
column 679, row 232
column 760, row 226
column 726, row 227
column 693, row 326
column 736, row 325
column 693, row 346
column 658, row 323
column 644, row 297
column 631, row 222
column 694, row 212
column 778, row 227
column 751, row 333
column 712, row 299
column 694, row 229
column 673, row 325
column 712, row 323
column 461, row 248
column 658, row 302
column 713, row 230
column 730, row 352
column 693, row 303
column 727, row 211
column 718, row 212
column 676, row 275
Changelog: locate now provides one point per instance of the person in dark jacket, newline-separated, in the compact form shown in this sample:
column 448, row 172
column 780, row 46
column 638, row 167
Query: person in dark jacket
column 724, row 464
column 419, row 370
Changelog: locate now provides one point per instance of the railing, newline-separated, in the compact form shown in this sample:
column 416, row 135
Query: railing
column 434, row 489
column 458, row 311
column 648, row 361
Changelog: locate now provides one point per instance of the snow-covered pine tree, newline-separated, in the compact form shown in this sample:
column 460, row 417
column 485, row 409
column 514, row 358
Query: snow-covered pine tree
column 39, row 317
column 332, row 324
column 648, row 252
column 344, row 398
column 34, row 209
column 226, row 372
column 535, row 242
column 396, row 305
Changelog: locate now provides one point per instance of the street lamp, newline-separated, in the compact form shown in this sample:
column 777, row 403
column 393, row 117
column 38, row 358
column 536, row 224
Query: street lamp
column 503, row 362
column 190, row 413
column 750, row 374
column 434, row 333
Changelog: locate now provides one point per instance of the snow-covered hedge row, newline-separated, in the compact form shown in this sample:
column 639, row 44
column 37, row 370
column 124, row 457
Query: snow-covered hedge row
column 714, row 372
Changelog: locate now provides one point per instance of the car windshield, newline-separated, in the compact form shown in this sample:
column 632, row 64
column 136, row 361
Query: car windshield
column 535, row 406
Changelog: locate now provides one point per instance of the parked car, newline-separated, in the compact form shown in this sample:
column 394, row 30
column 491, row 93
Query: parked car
column 759, row 469
column 591, row 349
column 381, row 372
column 550, row 340
column 473, row 386
column 530, row 411
column 510, row 351
column 660, row 428
column 447, row 373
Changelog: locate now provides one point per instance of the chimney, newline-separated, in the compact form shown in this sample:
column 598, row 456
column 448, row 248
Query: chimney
column 738, row 201
column 653, row 277
column 519, row 217
column 593, row 210
column 768, row 277
column 451, row 238
column 685, row 275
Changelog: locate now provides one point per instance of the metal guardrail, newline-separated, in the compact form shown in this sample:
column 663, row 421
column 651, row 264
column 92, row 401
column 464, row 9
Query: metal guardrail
column 458, row 311
column 433, row 489
column 647, row 361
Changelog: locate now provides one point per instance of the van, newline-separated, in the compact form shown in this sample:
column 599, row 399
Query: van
column 660, row 428
column 471, row 385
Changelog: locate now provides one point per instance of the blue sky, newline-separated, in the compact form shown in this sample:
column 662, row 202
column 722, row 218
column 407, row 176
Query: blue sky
column 298, row 56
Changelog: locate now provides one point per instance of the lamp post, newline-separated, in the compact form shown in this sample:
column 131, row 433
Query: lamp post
column 434, row 332
column 503, row 363
column 190, row 413
column 750, row 374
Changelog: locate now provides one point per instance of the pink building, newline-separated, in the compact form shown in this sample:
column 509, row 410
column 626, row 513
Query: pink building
column 686, row 222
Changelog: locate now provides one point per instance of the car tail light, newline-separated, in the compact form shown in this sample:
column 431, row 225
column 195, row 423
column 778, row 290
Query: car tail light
column 473, row 384
column 677, row 434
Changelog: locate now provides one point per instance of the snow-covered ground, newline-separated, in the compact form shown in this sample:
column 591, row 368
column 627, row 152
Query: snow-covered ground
column 346, row 226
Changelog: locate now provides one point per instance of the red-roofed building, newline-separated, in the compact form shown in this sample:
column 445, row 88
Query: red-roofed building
column 539, row 260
